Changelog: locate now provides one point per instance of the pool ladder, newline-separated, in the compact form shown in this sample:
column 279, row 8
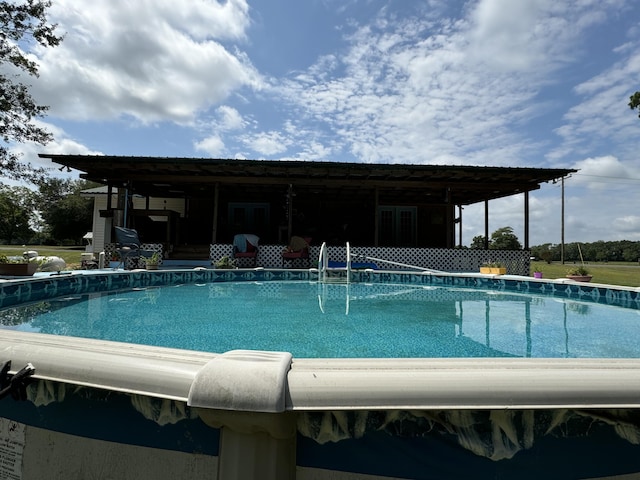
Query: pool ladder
column 325, row 271
column 325, row 277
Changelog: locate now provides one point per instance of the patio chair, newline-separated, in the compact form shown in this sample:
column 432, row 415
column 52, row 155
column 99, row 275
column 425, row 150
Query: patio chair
column 297, row 251
column 245, row 246
column 129, row 247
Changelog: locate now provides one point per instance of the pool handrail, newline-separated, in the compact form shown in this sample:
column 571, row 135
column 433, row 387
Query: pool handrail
column 323, row 263
column 398, row 264
column 348, row 263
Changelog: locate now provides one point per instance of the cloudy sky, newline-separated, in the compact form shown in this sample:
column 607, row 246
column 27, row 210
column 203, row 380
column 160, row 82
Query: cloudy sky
column 535, row 83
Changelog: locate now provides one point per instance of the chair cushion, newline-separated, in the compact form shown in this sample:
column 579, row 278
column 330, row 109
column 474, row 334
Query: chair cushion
column 297, row 244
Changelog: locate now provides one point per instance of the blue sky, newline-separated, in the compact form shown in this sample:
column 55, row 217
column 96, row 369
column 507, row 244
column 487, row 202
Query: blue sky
column 535, row 83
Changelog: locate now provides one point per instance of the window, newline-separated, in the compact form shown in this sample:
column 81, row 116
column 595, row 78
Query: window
column 249, row 217
column 397, row 226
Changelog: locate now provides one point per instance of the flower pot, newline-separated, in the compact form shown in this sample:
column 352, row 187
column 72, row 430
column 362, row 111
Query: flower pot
column 493, row 270
column 18, row 269
column 537, row 274
column 580, row 278
column 151, row 266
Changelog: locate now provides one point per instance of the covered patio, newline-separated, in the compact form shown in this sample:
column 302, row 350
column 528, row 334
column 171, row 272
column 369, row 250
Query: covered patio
column 196, row 205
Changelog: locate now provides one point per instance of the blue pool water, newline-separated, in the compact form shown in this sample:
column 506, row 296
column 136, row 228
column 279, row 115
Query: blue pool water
column 323, row 320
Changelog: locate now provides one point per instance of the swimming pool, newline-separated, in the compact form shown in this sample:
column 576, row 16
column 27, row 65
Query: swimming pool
column 157, row 412
column 312, row 320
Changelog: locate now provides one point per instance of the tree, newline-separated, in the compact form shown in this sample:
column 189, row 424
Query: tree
column 16, row 211
column 634, row 102
column 477, row 243
column 501, row 239
column 505, row 239
column 67, row 216
column 21, row 23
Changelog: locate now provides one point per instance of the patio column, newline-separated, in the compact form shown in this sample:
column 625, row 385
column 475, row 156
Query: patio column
column 526, row 220
column 486, row 224
column 289, row 212
column 459, row 225
column 216, row 197
column 376, row 219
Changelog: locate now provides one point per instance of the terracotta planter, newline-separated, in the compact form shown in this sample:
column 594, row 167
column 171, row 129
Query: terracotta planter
column 580, row 278
column 18, row 269
column 493, row 270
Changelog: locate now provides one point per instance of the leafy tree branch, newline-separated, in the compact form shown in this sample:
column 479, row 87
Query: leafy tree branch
column 21, row 25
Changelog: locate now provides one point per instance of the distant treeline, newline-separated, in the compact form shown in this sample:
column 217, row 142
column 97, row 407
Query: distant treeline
column 600, row 251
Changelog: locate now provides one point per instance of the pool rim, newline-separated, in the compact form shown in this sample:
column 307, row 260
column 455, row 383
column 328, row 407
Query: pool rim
column 328, row 384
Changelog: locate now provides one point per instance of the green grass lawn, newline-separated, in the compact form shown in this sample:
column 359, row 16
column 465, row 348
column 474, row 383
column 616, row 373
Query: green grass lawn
column 619, row 273
column 71, row 255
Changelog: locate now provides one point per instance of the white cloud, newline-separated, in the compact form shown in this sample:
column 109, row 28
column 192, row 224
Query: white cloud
column 61, row 144
column 535, row 36
column 212, row 145
column 603, row 113
column 456, row 90
column 629, row 224
column 508, row 35
column 149, row 60
column 229, row 118
column 267, row 143
column 604, row 172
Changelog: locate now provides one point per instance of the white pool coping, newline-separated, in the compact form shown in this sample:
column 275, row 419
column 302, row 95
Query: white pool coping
column 338, row 384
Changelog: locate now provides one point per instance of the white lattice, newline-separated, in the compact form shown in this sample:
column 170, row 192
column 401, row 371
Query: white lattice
column 112, row 255
column 444, row 259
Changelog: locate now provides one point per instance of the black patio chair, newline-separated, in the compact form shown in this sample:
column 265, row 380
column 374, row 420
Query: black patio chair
column 129, row 247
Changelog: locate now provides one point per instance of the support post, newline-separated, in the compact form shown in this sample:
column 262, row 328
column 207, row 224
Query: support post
column 216, row 197
column 526, row 220
column 376, row 220
column 486, row 224
column 257, row 446
column 562, row 226
column 460, row 225
column 289, row 212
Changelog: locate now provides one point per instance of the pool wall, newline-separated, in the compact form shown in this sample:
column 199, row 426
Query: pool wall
column 98, row 409
column 27, row 290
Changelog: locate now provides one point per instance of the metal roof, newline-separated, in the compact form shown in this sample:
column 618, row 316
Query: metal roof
column 163, row 176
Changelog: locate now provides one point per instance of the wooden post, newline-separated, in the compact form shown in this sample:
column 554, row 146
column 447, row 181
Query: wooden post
column 526, row 220
column 289, row 212
column 376, row 220
column 460, row 225
column 562, row 226
column 486, row 224
column 216, row 197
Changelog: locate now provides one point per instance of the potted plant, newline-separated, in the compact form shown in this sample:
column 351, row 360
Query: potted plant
column 579, row 274
column 225, row 262
column 20, row 267
column 537, row 272
column 496, row 268
column 153, row 261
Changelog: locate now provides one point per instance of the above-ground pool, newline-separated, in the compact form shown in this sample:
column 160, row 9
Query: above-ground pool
column 359, row 320
column 269, row 374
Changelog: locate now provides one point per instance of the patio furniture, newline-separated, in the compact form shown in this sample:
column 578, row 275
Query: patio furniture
column 129, row 247
column 297, row 251
column 245, row 246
